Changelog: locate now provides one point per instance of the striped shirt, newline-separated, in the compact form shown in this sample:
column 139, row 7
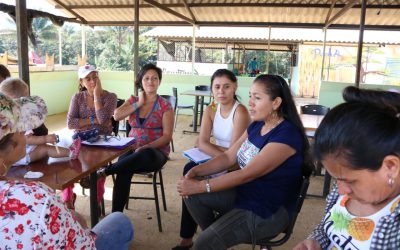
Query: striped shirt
column 78, row 109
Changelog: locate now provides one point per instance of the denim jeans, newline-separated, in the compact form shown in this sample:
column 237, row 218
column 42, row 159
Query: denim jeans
column 115, row 231
column 233, row 226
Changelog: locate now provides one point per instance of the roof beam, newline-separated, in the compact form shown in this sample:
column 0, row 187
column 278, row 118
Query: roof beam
column 330, row 11
column 170, row 11
column 340, row 13
column 248, row 4
column 189, row 10
column 67, row 8
column 247, row 24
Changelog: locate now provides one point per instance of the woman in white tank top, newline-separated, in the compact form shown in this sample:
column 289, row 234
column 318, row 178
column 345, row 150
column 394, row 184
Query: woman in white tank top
column 225, row 121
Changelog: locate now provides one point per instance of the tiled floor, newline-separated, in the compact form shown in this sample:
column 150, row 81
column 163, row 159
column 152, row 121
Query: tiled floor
column 142, row 213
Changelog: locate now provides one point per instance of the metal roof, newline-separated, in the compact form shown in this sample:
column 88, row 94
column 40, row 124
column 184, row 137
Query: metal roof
column 277, row 13
column 278, row 35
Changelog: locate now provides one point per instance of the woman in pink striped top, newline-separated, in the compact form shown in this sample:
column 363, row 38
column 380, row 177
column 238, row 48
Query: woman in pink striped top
column 92, row 107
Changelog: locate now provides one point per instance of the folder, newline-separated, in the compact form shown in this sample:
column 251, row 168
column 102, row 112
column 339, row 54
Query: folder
column 112, row 142
column 196, row 155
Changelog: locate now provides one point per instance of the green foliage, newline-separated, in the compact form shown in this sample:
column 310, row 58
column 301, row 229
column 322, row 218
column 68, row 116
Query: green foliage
column 109, row 48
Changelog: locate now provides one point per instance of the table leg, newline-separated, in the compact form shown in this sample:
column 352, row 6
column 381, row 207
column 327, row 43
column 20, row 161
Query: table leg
column 196, row 110
column 201, row 108
column 93, row 200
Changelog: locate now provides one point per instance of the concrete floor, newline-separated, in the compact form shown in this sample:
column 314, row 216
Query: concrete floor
column 142, row 213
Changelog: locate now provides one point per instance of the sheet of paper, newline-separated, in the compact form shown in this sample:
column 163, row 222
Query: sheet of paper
column 196, row 155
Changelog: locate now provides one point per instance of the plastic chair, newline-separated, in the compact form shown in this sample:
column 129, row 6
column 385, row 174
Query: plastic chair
column 173, row 101
column 203, row 88
column 314, row 109
column 179, row 107
column 267, row 243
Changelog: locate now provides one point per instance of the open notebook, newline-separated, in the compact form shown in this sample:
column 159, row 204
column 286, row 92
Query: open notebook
column 112, row 142
column 196, row 155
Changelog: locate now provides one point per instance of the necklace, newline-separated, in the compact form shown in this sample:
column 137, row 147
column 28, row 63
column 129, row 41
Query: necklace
column 268, row 127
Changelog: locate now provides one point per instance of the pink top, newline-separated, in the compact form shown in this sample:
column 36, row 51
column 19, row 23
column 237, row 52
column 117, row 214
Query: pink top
column 151, row 129
column 78, row 109
column 32, row 216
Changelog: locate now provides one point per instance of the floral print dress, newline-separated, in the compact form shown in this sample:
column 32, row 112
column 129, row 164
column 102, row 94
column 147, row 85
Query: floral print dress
column 32, row 216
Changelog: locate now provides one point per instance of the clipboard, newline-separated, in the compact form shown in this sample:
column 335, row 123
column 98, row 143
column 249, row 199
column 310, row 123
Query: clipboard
column 111, row 142
column 196, row 155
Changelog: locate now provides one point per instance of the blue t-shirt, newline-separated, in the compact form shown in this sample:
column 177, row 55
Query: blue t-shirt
column 253, row 65
column 267, row 193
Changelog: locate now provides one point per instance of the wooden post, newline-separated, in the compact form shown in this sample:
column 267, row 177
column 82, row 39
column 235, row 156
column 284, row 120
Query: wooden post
column 360, row 43
column 22, row 40
column 136, row 45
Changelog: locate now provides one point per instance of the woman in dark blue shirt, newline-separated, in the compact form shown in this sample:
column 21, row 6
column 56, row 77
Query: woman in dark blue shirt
column 256, row 200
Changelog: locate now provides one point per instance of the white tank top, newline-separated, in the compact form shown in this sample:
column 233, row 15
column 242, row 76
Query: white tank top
column 223, row 127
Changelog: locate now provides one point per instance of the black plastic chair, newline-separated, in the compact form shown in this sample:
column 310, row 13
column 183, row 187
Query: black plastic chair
column 179, row 107
column 280, row 240
column 173, row 101
column 114, row 123
column 203, row 88
column 314, row 109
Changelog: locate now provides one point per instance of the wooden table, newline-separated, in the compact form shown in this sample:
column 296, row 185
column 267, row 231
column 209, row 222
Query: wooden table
column 311, row 122
column 59, row 175
column 199, row 99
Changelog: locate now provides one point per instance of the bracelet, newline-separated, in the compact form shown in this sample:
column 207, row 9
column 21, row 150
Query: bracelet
column 135, row 106
column 208, row 186
column 91, row 120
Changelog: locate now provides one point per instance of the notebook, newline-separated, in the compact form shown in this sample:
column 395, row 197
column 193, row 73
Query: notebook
column 112, row 142
column 196, row 155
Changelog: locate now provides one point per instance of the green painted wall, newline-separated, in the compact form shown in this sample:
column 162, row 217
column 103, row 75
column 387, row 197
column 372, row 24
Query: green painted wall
column 57, row 88
column 330, row 93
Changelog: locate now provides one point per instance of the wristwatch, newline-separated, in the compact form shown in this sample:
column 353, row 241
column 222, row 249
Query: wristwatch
column 208, row 186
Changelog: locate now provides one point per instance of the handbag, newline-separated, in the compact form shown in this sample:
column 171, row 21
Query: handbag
column 90, row 135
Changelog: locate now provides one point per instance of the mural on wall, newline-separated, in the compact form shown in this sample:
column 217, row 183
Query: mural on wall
column 380, row 65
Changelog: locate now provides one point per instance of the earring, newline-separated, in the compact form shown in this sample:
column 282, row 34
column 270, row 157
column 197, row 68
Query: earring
column 391, row 182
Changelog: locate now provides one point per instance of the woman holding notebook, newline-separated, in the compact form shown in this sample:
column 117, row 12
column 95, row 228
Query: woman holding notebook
column 218, row 122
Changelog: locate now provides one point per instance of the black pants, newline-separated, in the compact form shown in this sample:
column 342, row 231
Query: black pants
column 188, row 225
column 146, row 160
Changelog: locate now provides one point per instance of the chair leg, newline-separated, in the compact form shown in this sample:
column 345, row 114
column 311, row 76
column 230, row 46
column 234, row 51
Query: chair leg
column 127, row 202
column 172, row 145
column 156, row 201
column 176, row 118
column 162, row 191
column 103, row 208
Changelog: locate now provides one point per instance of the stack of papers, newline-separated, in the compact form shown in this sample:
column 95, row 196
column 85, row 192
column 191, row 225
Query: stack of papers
column 196, row 155
column 112, row 142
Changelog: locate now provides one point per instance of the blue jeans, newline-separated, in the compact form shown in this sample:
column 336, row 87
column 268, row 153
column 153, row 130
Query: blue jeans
column 115, row 231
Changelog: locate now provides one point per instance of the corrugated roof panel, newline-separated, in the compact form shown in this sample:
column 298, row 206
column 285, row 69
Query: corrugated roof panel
column 211, row 12
column 277, row 34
